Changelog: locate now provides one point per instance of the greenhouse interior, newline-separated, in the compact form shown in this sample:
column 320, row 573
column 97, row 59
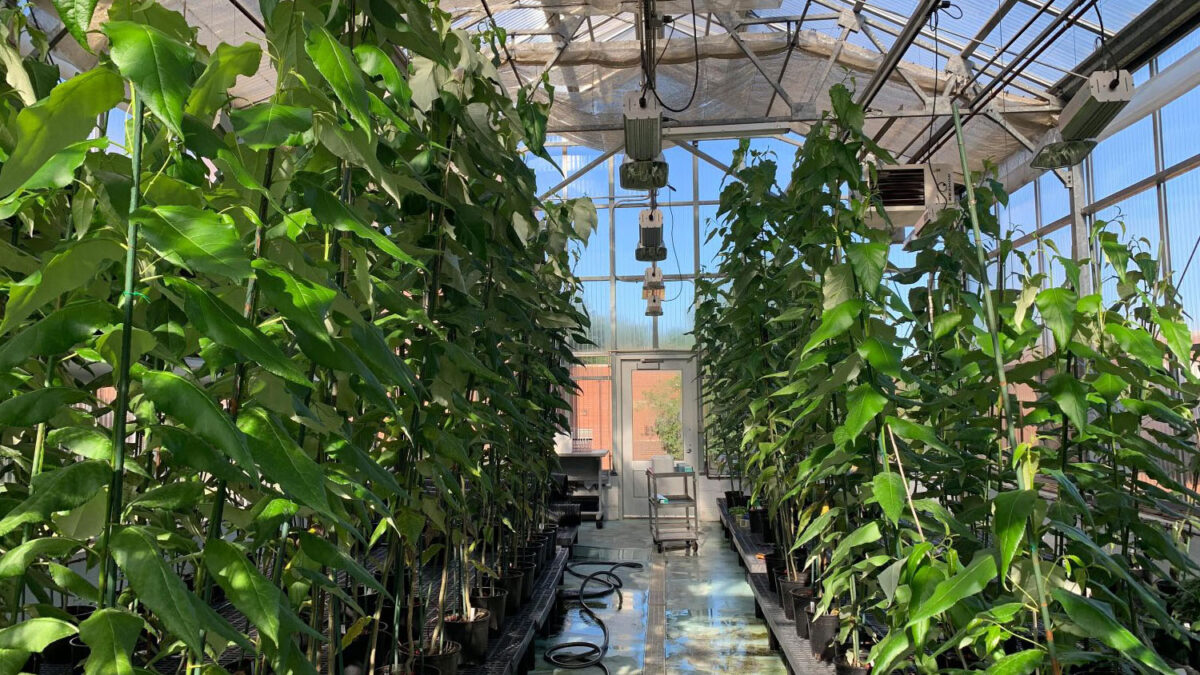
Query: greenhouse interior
column 437, row 337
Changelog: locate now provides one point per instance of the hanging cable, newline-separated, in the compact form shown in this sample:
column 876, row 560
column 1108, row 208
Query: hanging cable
column 503, row 44
column 651, row 73
column 588, row 654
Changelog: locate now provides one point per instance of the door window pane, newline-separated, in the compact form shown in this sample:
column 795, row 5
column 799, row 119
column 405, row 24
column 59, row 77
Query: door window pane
column 657, row 414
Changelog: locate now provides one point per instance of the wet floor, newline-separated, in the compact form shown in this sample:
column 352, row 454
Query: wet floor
column 701, row 620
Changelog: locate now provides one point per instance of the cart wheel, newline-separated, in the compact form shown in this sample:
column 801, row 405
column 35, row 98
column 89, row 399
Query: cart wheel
column 599, row 523
column 660, row 548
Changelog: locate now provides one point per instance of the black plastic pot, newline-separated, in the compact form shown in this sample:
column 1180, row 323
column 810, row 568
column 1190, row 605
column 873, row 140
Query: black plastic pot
column 424, row 669
column 758, row 520
column 735, row 498
column 785, row 594
column 800, row 598
column 821, row 632
column 471, row 634
column 495, row 600
column 357, row 655
column 512, row 583
column 847, row 669
column 446, row 662
column 529, row 570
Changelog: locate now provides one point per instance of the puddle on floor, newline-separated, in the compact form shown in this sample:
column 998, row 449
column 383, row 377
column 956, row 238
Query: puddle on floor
column 710, row 623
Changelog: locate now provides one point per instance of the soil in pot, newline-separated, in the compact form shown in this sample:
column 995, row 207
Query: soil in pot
column 495, row 600
column 446, row 661
column 471, row 633
column 821, row 632
column 847, row 669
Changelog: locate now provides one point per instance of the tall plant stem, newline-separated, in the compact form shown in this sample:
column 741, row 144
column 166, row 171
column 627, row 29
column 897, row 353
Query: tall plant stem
column 108, row 572
column 1002, row 380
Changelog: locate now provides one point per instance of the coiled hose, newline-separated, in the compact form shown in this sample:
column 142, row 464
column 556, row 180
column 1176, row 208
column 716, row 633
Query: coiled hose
column 589, row 654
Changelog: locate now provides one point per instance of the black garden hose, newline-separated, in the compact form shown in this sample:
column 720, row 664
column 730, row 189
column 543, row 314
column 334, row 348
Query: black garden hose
column 589, row 654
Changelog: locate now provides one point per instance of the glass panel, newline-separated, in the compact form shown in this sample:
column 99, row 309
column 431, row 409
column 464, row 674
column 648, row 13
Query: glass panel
column 679, row 180
column 593, row 258
column 712, row 178
column 657, row 414
column 1020, row 216
column 591, row 407
column 597, row 303
column 592, row 184
column 678, row 319
column 547, row 174
column 1180, row 128
column 1183, row 211
column 1054, row 245
column 679, row 231
column 1178, row 50
column 1124, row 158
column 633, row 326
column 627, row 241
column 1054, row 197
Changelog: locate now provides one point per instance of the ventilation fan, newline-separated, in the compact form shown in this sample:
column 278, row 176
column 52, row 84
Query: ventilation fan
column 911, row 194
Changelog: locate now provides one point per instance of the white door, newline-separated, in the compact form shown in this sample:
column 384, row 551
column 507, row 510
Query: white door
column 657, row 400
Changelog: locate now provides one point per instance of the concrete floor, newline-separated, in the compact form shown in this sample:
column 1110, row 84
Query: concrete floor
column 681, row 613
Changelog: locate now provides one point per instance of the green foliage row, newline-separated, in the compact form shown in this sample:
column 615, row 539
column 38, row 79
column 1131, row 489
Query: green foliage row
column 956, row 515
column 254, row 341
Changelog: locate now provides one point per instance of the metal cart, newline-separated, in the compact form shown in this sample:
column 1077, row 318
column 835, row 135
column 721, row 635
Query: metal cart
column 588, row 480
column 681, row 523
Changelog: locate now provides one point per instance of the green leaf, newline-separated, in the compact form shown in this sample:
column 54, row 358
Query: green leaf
column 252, row 593
column 199, row 240
column 298, row 300
column 1057, row 306
column 179, row 398
column 112, row 635
column 863, row 403
column 76, row 16
column 1096, row 620
column 1071, row 395
column 73, row 582
column 66, row 271
column 16, row 561
column 225, row 326
column 83, row 441
column 337, row 66
column 1012, row 513
column 948, row 593
column 327, row 554
column 868, row 258
column 39, row 405
column 159, row 67
column 284, row 462
column 59, row 490
column 1137, row 343
column 1021, row 663
column 330, row 210
column 141, row 342
column 376, row 63
column 61, row 120
column 889, row 490
column 224, row 66
column 34, row 635
column 161, row 591
column 834, row 322
column 864, row 535
column 59, row 170
column 945, row 322
column 269, row 125
column 171, row 497
column 1177, row 336
column 882, row 357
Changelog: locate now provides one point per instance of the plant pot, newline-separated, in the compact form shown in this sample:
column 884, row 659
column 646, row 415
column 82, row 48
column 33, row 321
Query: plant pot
column 785, row 594
column 821, row 632
column 446, row 661
column 495, row 600
column 512, row 583
column 529, row 570
column 734, row 499
column 472, row 634
column 800, row 597
column 424, row 669
column 847, row 669
column 356, row 656
column 758, row 520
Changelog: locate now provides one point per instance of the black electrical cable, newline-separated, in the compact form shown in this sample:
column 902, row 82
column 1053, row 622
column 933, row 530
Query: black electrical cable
column 653, row 86
column 588, row 654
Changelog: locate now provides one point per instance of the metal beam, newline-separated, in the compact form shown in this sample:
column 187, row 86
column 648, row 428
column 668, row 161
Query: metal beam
column 1055, row 12
column 870, row 33
column 727, row 22
column 894, row 54
column 583, row 171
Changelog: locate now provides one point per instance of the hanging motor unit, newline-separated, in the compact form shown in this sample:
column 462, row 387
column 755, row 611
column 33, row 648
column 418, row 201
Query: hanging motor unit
column 1097, row 102
column 654, row 306
column 650, row 237
column 644, row 167
column 911, row 194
